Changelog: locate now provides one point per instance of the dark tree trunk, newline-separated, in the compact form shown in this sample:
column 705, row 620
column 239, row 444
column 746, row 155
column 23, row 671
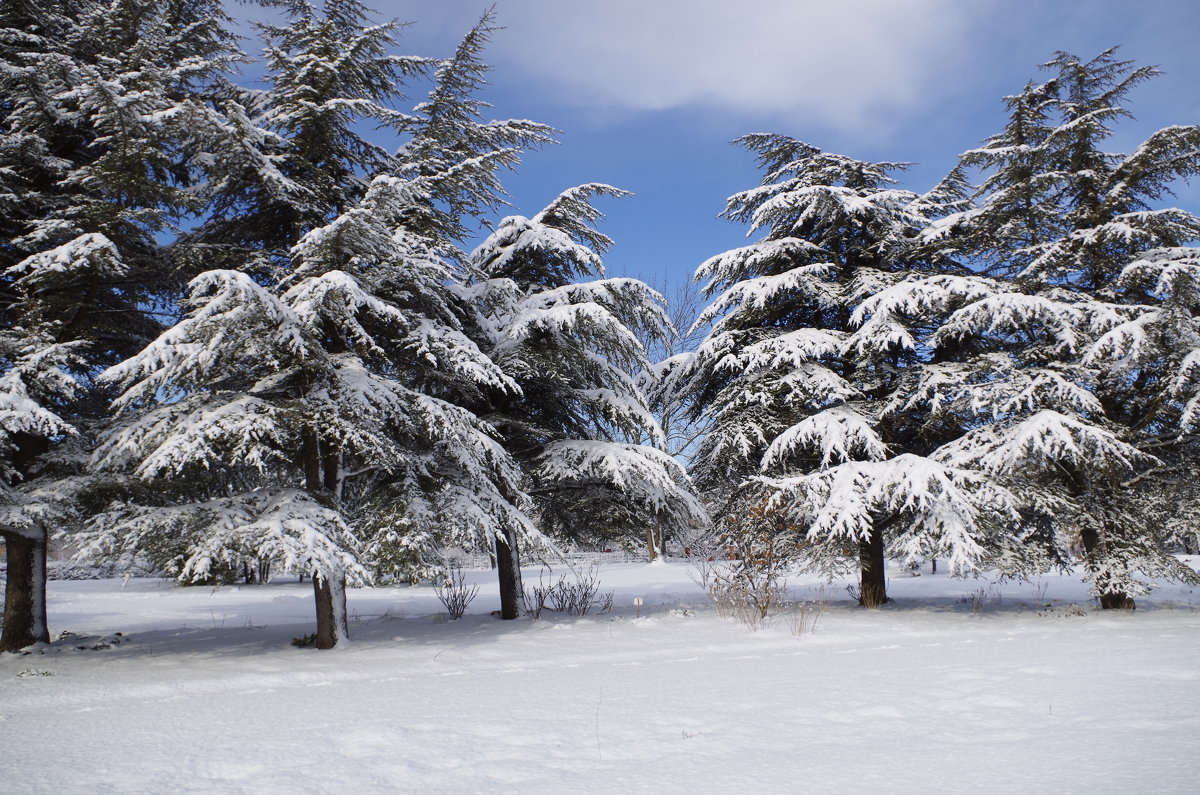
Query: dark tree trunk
column 331, row 467
column 310, row 455
column 1109, row 600
column 25, row 593
column 330, row 597
column 1116, row 600
column 508, row 570
column 264, row 570
column 329, row 591
column 873, row 585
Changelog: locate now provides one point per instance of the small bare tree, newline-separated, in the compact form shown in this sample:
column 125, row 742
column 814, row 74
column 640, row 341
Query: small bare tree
column 662, row 383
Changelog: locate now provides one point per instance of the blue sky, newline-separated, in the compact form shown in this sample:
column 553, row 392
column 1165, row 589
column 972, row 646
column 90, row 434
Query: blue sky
column 648, row 93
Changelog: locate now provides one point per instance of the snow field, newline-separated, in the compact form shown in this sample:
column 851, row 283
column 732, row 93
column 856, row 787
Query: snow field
column 960, row 685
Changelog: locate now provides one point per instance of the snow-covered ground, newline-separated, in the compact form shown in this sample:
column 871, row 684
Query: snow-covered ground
column 959, row 686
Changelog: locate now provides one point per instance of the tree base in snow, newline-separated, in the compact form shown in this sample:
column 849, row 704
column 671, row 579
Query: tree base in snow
column 24, row 594
column 330, row 597
column 1117, row 601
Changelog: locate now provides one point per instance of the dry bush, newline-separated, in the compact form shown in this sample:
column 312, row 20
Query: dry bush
column 454, row 593
column 575, row 596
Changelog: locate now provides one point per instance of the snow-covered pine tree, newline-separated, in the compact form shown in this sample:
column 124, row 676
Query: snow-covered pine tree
column 571, row 346
column 1061, row 219
column 331, row 70
column 292, row 161
column 100, row 104
column 259, row 408
column 283, row 220
column 805, row 386
column 455, row 150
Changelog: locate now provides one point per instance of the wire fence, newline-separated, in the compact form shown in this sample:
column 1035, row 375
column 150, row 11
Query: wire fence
column 574, row 558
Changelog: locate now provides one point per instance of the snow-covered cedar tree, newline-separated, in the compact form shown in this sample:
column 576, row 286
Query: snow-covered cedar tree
column 1072, row 362
column 367, row 278
column 571, row 346
column 455, row 150
column 101, row 105
column 806, row 389
column 266, row 403
column 297, row 155
column 33, row 387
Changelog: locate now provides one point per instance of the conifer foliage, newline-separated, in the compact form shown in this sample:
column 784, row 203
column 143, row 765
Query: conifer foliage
column 807, row 365
column 571, row 347
column 235, row 326
column 336, row 362
column 1016, row 359
column 343, row 394
column 102, row 108
column 1076, row 376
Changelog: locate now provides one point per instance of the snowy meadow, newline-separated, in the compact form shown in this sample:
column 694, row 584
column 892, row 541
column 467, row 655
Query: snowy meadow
column 958, row 685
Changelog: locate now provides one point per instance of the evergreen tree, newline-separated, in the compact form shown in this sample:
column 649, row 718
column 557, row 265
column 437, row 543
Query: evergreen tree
column 260, row 407
column 354, row 355
column 806, row 371
column 100, row 106
column 571, row 347
column 1061, row 220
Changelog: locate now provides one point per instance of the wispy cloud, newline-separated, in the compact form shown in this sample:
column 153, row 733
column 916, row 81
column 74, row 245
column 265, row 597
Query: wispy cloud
column 861, row 72
column 852, row 64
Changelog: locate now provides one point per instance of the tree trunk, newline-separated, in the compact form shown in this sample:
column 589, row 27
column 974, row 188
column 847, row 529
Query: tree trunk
column 329, row 588
column 330, row 596
column 873, row 584
column 508, row 569
column 310, row 457
column 651, row 543
column 25, row 593
column 1109, row 600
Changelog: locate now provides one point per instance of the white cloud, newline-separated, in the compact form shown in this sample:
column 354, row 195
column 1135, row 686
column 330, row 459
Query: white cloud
column 853, row 64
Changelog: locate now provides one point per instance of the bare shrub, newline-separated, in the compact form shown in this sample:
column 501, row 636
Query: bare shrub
column 454, row 592
column 750, row 586
column 536, row 596
column 750, row 601
column 746, row 577
column 803, row 615
column 577, row 595
column 980, row 598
